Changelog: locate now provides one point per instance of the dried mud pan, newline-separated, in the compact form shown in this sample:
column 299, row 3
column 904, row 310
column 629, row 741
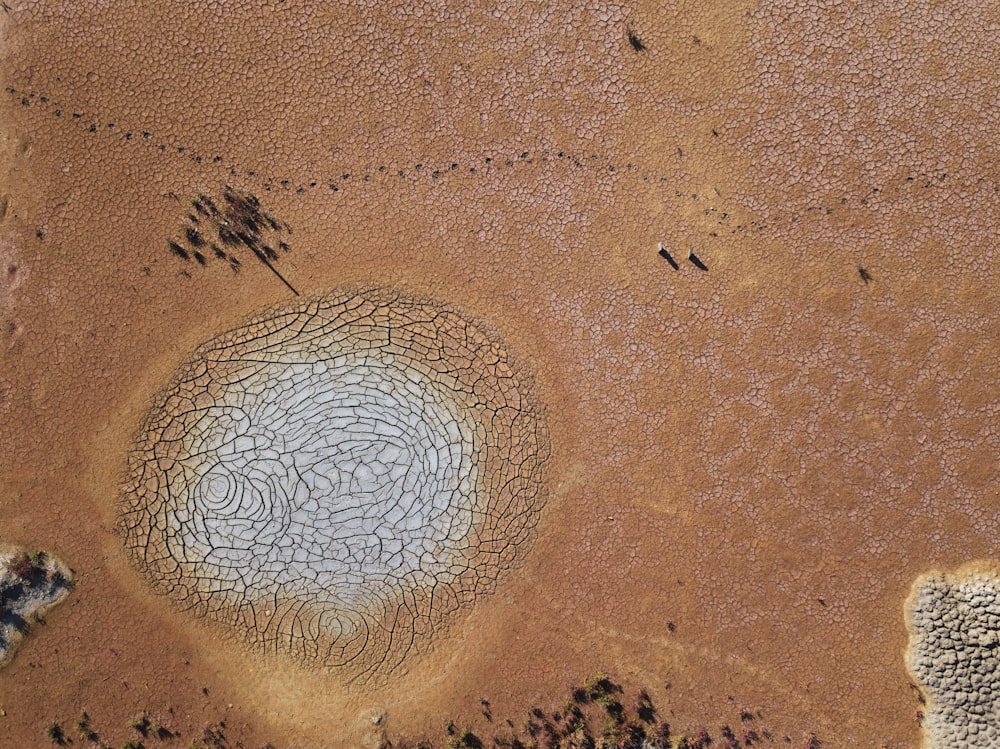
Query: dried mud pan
column 954, row 654
column 750, row 464
column 337, row 476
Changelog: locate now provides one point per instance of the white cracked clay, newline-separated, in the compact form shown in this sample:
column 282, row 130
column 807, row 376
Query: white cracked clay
column 954, row 653
column 336, row 477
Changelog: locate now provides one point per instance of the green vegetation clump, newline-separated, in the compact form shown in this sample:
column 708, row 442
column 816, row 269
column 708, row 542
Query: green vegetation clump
column 55, row 733
column 86, row 732
column 139, row 723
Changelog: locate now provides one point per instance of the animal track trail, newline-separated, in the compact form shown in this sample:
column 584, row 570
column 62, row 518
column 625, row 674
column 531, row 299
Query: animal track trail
column 717, row 216
column 418, row 171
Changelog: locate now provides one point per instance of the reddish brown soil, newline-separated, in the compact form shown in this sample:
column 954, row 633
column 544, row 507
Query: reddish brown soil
column 765, row 455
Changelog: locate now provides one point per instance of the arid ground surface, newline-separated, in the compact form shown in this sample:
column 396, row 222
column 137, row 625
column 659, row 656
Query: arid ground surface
column 763, row 456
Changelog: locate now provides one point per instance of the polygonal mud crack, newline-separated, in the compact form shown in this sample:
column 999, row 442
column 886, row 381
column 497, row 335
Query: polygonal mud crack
column 336, row 477
column 954, row 653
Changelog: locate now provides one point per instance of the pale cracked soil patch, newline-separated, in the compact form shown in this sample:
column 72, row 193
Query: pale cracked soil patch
column 336, row 477
column 954, row 655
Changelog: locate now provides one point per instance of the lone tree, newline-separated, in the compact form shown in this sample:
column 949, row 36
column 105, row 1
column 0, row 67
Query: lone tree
column 240, row 223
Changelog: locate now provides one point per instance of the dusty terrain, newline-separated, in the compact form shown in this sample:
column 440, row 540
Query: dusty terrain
column 750, row 465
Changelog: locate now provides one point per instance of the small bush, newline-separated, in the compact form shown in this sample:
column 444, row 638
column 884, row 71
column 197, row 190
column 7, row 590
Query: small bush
column 599, row 685
column 139, row 723
column 644, row 707
column 469, row 740
column 662, row 738
column 22, row 566
column 55, row 734
column 86, row 732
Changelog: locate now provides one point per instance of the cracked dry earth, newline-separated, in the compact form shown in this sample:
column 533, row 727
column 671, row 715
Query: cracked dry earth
column 746, row 470
column 336, row 477
column 954, row 655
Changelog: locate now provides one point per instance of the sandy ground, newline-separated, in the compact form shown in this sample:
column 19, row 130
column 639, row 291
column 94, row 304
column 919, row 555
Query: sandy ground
column 765, row 455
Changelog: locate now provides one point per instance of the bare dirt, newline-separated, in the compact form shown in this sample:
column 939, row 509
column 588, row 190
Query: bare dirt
column 762, row 456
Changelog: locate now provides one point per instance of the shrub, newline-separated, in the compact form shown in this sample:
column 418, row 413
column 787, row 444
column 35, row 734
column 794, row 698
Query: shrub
column 86, row 732
column 469, row 740
column 644, row 707
column 55, row 734
column 22, row 566
column 599, row 686
column 139, row 723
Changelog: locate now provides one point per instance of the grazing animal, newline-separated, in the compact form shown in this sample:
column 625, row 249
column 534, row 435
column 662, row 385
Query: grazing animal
column 696, row 260
column 636, row 42
column 666, row 256
column 865, row 275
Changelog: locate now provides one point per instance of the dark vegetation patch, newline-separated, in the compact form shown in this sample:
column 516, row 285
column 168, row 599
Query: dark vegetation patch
column 597, row 715
column 600, row 715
